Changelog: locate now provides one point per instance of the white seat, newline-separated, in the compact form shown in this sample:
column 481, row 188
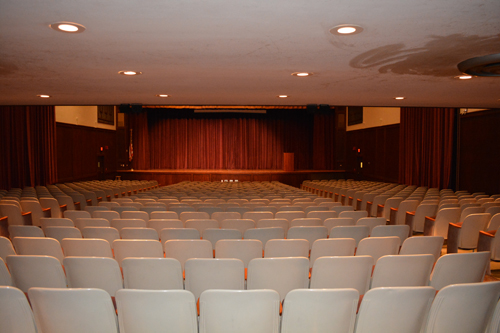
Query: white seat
column 184, row 216
column 91, row 222
column 342, row 272
column 243, row 249
column 439, row 227
column 463, row 308
column 139, row 233
column 371, row 222
column 159, row 224
column 290, row 215
column 127, row 223
column 152, row 273
column 163, row 215
column 142, row 215
column 15, row 311
column 323, row 215
column 38, row 246
column 108, row 215
column 340, row 209
column 272, row 223
column 56, row 222
column 184, row 249
column 400, row 230
column 14, row 213
column 355, row 215
column 76, row 214
column 204, row 274
column 201, row 224
column 93, row 272
column 256, row 216
column 156, row 311
column 377, row 247
column 276, row 248
column 421, row 212
column 246, row 311
column 337, row 222
column 92, row 209
column 53, row 204
column 62, row 232
column 107, row 233
column 306, row 222
column 310, row 233
column 221, row 216
column 6, row 248
column 357, row 232
column 459, row 268
column 279, row 274
column 264, row 234
column 36, row 271
column 397, row 309
column 37, row 212
column 239, row 224
column 319, row 310
column 331, row 247
column 25, row 231
column 73, row 310
column 86, row 247
column 423, row 245
column 466, row 235
column 179, row 233
column 214, row 235
column 135, row 248
column 403, row 271
column 5, row 278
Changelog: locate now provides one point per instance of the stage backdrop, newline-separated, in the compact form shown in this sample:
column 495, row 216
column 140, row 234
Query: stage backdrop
column 183, row 139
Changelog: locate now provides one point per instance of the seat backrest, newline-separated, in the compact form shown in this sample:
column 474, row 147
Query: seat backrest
column 444, row 217
column 179, row 233
column 332, row 222
column 93, row 272
column 201, row 224
column 228, row 311
column 403, row 271
column 221, row 216
column 152, row 273
column 358, row 232
column 408, row 205
column 62, row 232
column 377, row 247
column 127, row 223
column 86, row 247
column 184, row 249
column 134, row 248
column 107, row 233
column 494, row 222
column 6, row 248
column 204, row 274
column 309, row 233
column 305, row 222
column 323, row 215
column 5, row 278
column 459, row 268
column 264, row 234
column 13, row 212
column 38, row 246
column 159, row 224
column 91, row 222
column 279, row 274
column 53, row 204
column 73, row 310
column 239, row 224
column 332, row 247
column 397, row 309
column 355, row 215
column 315, row 310
column 463, row 307
column 168, row 215
column 142, row 215
column 243, row 249
column 15, row 312
column 56, row 222
column 423, row 245
column 371, row 222
column 470, row 210
column 276, row 222
column 156, row 311
column 256, row 216
column 184, row 216
column 472, row 225
column 342, row 272
column 421, row 212
column 214, row 235
column 29, row 271
column 276, row 248
column 108, row 215
column 139, row 233
column 401, row 231
column 75, row 214
column 25, row 231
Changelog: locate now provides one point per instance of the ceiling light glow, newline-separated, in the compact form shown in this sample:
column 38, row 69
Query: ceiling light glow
column 162, row 95
column 44, row 96
column 400, row 97
column 464, row 77
column 346, row 29
column 129, row 73
column 301, row 74
column 282, row 96
column 69, row 27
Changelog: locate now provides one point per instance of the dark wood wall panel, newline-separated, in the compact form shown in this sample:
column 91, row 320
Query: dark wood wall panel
column 479, row 153
column 378, row 150
column 79, row 151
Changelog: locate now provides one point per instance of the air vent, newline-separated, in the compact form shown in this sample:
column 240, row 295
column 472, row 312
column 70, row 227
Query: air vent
column 481, row 66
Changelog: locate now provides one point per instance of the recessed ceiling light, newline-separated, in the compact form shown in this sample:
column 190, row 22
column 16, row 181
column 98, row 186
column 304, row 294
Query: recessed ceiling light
column 464, row 77
column 346, row 29
column 400, row 97
column 44, row 96
column 302, row 74
column 129, row 73
column 162, row 95
column 68, row 27
column 282, row 96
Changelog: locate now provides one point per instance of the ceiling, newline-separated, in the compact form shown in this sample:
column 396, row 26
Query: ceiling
column 223, row 52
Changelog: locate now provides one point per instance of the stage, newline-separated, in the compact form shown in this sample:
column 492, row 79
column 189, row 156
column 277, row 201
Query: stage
column 169, row 177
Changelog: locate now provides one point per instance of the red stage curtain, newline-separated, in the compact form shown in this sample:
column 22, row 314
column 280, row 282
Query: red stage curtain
column 173, row 139
column 426, row 146
column 28, row 150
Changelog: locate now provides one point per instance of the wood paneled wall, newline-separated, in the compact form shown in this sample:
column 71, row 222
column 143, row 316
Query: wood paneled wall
column 79, row 152
column 378, row 150
column 479, row 152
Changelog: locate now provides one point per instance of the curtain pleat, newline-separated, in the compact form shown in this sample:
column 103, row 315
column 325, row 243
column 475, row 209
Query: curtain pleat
column 426, row 146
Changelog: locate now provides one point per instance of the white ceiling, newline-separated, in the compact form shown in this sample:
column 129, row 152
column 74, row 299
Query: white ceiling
column 223, row 52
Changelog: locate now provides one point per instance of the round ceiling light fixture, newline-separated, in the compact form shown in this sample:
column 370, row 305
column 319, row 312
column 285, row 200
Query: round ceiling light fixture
column 68, row 27
column 43, row 96
column 488, row 65
column 129, row 73
column 400, row 97
column 302, row 74
column 464, row 77
column 346, row 29
column 162, row 95
column 282, row 96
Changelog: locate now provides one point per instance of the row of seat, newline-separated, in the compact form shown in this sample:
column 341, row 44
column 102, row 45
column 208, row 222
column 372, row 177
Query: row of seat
column 456, row 308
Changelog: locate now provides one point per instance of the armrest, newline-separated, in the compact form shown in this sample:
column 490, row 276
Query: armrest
column 409, row 220
column 410, row 213
column 47, row 212
column 392, row 216
column 27, row 218
column 358, row 204
column 77, row 205
column 369, row 205
column 63, row 208
column 99, row 199
column 429, row 223
column 485, row 240
column 380, row 210
column 453, row 237
column 108, row 198
column 349, row 201
column 89, row 202
column 4, row 226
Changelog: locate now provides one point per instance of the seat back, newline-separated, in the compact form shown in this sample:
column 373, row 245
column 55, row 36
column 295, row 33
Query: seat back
column 127, row 223
column 139, row 233
column 107, row 233
column 443, row 218
column 86, row 247
column 134, row 248
column 355, row 215
column 377, row 247
column 459, row 268
column 472, row 225
column 142, row 215
column 93, row 272
column 179, row 233
column 401, row 231
column 264, row 234
column 62, row 232
column 15, row 312
column 342, row 272
column 357, row 232
column 276, row 248
column 221, row 216
column 310, row 233
column 323, row 215
column 25, row 231
column 75, row 214
column 201, row 224
column 332, row 247
column 29, row 271
column 73, row 310
column 91, row 222
column 5, row 278
column 38, row 246
column 184, row 249
column 239, row 224
column 152, row 273
column 332, row 222
column 243, row 249
column 319, row 310
column 6, row 248
column 214, row 235
column 421, row 212
column 56, row 222
column 423, row 245
column 403, row 271
column 108, row 215
column 371, row 222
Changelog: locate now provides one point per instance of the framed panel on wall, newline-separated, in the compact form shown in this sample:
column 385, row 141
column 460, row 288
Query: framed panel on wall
column 106, row 114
